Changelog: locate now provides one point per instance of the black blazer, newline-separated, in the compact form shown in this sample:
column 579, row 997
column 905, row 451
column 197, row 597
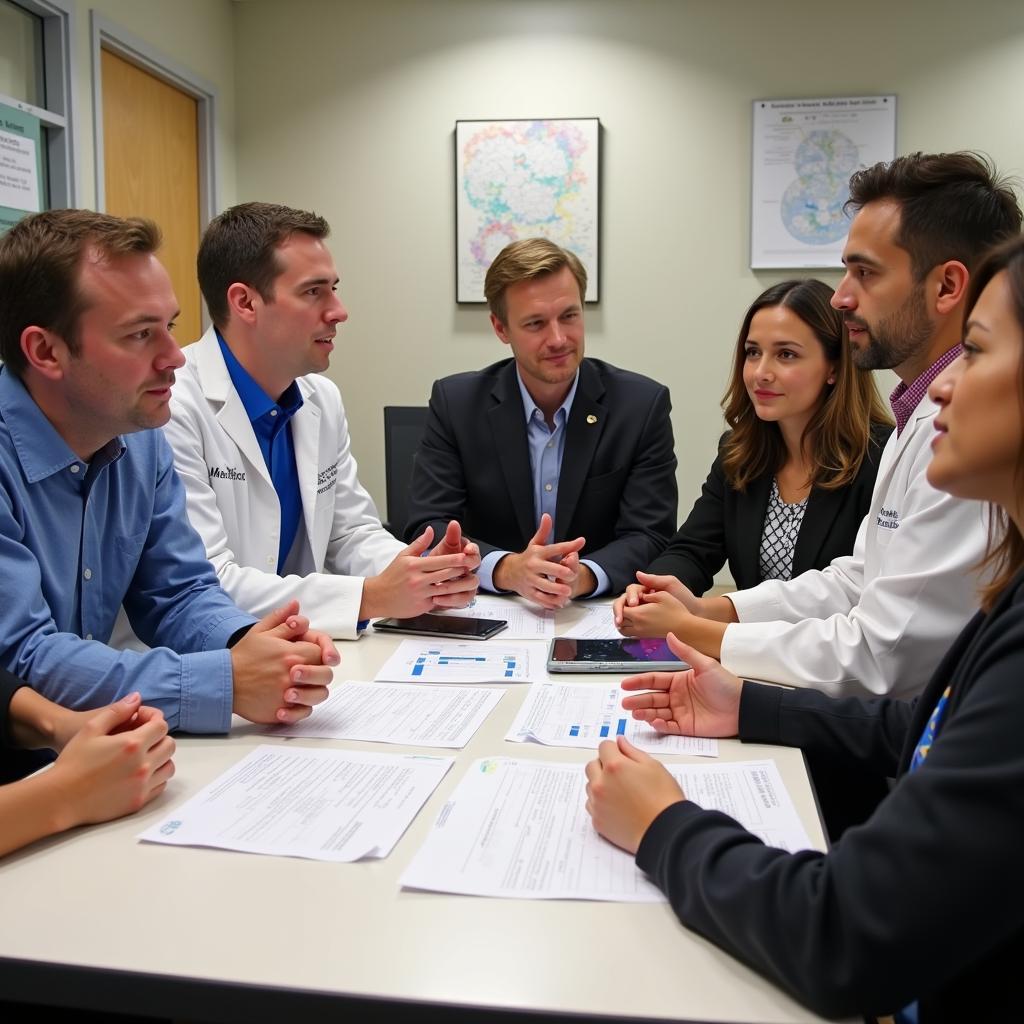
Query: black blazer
column 15, row 763
column 926, row 899
column 725, row 524
column 617, row 486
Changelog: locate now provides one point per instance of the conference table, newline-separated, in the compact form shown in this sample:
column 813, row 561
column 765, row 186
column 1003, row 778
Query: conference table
column 98, row 920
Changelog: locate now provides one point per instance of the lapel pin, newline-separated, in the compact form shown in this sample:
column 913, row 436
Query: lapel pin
column 591, row 418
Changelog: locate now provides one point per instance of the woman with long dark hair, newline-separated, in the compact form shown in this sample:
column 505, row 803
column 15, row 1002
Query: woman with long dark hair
column 919, row 912
column 794, row 473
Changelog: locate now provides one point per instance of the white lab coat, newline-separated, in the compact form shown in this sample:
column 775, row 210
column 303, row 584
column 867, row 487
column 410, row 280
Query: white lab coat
column 233, row 504
column 875, row 622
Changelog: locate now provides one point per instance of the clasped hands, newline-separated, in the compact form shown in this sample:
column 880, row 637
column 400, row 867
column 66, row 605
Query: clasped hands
column 655, row 606
column 549, row 574
column 659, row 605
column 281, row 668
column 626, row 787
column 416, row 581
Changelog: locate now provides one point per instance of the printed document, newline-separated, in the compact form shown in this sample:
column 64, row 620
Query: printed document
column 520, row 829
column 414, row 716
column 597, row 623
column 338, row 805
column 430, row 661
column 583, row 714
column 525, row 622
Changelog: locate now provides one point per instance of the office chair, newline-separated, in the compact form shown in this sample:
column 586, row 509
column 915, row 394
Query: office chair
column 403, row 431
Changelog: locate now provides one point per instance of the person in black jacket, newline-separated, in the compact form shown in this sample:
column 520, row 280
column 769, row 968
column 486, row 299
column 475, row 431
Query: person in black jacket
column 560, row 467
column 919, row 912
column 794, row 475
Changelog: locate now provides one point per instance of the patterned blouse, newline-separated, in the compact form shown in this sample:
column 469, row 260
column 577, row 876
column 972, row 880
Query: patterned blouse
column 778, row 538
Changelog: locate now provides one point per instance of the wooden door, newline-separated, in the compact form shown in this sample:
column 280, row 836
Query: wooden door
column 151, row 169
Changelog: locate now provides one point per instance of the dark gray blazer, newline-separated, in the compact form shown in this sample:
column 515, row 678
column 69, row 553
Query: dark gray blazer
column 617, row 486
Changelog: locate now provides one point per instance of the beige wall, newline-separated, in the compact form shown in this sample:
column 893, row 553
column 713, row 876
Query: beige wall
column 349, row 108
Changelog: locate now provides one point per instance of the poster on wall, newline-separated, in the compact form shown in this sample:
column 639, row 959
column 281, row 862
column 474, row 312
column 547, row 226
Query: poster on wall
column 520, row 179
column 804, row 152
column 20, row 166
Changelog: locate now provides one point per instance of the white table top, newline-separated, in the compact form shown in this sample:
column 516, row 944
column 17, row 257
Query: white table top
column 98, row 898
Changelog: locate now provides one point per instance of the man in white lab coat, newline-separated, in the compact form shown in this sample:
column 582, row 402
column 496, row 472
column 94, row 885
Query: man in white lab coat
column 876, row 621
column 261, row 442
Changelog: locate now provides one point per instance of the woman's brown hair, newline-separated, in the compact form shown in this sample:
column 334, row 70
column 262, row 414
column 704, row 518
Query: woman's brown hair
column 1004, row 556
column 839, row 432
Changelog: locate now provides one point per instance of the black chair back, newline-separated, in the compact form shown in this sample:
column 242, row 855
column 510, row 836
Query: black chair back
column 403, row 431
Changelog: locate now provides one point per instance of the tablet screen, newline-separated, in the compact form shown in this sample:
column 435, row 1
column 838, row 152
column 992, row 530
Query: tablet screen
column 639, row 649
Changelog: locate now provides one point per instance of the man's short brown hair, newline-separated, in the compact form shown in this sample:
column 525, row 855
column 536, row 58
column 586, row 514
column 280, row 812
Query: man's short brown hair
column 40, row 264
column 953, row 206
column 525, row 260
column 240, row 245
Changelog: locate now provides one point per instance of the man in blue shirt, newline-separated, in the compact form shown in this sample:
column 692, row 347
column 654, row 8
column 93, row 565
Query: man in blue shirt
column 561, row 468
column 261, row 440
column 92, row 515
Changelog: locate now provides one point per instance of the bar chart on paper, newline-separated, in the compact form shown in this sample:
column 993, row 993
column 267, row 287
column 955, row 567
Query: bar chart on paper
column 426, row 662
column 433, row 662
column 606, row 719
column 574, row 715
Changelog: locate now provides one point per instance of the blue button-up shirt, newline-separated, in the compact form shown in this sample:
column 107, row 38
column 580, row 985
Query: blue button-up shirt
column 547, row 446
column 76, row 540
column 270, row 421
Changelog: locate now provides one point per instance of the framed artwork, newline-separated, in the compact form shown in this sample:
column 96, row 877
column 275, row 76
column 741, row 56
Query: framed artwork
column 521, row 179
column 804, row 152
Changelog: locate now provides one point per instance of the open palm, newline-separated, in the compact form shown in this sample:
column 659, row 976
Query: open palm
column 703, row 700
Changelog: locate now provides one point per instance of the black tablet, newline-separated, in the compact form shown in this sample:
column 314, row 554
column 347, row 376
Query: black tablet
column 457, row 627
column 623, row 654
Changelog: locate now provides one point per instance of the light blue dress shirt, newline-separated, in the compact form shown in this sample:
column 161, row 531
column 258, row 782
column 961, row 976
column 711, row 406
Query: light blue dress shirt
column 76, row 540
column 547, row 446
column 270, row 419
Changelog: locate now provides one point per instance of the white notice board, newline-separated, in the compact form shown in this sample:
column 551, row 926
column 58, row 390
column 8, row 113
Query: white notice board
column 804, row 152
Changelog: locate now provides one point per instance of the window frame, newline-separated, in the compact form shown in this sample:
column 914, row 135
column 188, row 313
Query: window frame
column 58, row 117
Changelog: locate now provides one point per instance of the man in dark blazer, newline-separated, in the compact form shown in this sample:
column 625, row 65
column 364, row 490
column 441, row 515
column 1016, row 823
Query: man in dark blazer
column 561, row 468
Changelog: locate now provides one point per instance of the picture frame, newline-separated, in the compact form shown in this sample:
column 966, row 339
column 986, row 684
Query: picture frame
column 523, row 178
column 803, row 153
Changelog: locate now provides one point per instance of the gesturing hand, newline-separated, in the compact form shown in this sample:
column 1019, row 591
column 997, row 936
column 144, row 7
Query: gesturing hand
column 703, row 700
column 542, row 572
column 414, row 583
column 453, row 543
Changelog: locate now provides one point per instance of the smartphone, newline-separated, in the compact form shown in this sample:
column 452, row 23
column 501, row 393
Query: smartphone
column 457, row 627
column 625, row 654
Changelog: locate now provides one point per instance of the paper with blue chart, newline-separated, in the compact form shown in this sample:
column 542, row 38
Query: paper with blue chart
column 583, row 714
column 474, row 661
